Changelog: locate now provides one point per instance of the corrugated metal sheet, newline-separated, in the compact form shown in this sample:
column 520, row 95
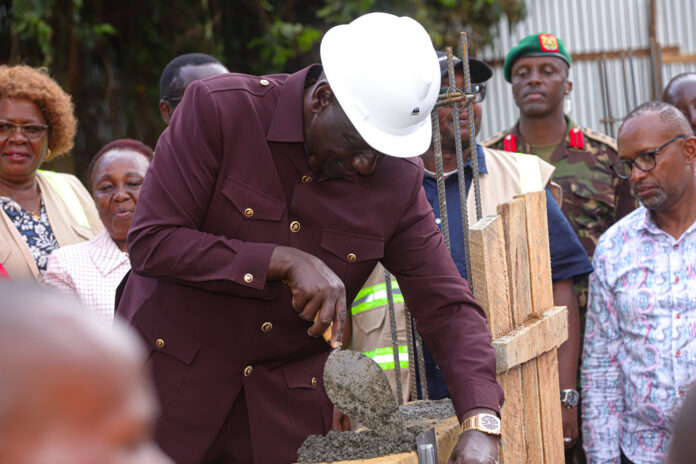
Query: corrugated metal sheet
column 593, row 26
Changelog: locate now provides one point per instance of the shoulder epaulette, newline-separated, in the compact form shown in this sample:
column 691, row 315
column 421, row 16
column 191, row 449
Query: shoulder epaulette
column 601, row 138
column 493, row 140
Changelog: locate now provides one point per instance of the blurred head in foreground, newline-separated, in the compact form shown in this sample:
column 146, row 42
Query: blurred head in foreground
column 72, row 388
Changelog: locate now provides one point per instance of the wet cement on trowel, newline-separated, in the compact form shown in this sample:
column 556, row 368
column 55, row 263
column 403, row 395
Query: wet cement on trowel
column 359, row 388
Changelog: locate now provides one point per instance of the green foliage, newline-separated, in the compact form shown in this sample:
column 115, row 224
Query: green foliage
column 109, row 53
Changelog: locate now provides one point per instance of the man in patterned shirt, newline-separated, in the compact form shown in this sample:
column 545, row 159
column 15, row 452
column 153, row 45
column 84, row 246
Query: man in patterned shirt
column 640, row 350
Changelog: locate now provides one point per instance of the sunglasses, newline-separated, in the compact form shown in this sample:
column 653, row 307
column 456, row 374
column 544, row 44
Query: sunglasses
column 479, row 91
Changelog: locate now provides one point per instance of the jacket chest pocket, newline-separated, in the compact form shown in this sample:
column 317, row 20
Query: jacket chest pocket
column 257, row 213
column 352, row 254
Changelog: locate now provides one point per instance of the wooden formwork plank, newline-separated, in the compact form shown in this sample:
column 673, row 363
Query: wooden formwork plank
column 535, row 337
column 513, row 215
column 551, row 419
column 539, row 253
column 533, row 433
column 512, row 444
column 489, row 273
column 542, row 299
column 490, row 280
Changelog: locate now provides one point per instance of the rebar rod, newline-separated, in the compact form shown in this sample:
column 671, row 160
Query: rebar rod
column 394, row 337
column 440, row 177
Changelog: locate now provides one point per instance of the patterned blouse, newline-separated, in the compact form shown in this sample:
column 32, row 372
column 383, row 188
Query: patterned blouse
column 36, row 232
column 639, row 357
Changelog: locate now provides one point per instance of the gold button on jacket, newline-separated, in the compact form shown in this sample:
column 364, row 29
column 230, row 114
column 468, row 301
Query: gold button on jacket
column 306, row 179
column 159, row 343
column 266, row 326
column 247, row 371
column 351, row 257
column 264, row 82
column 248, row 278
column 248, row 212
column 295, row 226
column 314, row 381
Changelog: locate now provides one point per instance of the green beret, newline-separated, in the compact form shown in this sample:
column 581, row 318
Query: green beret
column 543, row 44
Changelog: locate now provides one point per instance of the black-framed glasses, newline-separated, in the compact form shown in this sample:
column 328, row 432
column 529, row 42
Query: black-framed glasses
column 479, row 91
column 644, row 161
column 30, row 131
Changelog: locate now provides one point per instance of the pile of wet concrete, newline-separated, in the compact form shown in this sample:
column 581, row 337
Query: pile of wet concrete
column 418, row 417
column 359, row 388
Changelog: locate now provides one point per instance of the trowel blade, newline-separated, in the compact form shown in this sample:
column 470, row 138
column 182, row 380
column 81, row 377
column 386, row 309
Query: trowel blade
column 358, row 386
column 426, row 447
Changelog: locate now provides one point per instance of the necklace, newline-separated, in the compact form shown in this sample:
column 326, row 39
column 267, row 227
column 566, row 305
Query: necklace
column 33, row 213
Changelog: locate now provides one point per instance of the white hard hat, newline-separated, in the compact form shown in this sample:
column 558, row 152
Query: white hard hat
column 384, row 72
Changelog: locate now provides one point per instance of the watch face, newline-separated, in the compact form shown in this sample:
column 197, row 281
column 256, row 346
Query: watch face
column 489, row 423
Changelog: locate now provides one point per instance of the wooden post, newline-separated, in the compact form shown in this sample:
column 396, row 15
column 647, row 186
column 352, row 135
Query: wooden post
column 489, row 274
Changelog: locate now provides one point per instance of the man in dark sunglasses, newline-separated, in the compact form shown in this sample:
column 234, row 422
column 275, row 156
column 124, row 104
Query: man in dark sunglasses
column 639, row 349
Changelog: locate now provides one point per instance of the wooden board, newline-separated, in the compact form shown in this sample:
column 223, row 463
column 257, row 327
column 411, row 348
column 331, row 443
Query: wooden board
column 491, row 289
column 546, row 365
column 513, row 215
column 549, row 399
column 535, row 337
column 489, row 273
column 540, row 257
column 512, row 444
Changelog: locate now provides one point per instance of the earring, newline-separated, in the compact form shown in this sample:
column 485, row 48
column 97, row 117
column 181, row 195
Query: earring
column 567, row 106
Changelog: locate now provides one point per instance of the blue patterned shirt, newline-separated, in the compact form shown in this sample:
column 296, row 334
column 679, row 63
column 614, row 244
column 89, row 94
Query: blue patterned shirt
column 640, row 339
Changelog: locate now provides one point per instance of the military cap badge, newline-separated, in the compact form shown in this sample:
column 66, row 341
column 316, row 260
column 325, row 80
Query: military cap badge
column 548, row 43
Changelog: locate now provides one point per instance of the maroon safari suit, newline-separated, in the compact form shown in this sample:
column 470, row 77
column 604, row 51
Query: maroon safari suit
column 228, row 179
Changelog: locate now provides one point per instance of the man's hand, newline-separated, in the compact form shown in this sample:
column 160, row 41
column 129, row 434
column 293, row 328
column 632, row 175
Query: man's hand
column 570, row 426
column 316, row 289
column 475, row 447
column 341, row 422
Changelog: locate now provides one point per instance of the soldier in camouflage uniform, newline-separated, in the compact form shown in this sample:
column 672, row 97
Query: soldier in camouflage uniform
column 594, row 198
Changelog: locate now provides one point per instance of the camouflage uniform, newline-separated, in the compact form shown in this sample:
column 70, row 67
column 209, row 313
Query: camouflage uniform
column 594, row 198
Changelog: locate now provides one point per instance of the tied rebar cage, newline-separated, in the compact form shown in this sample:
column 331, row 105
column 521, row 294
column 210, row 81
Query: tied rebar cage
column 454, row 98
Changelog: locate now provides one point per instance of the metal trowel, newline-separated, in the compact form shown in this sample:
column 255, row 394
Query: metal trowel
column 359, row 388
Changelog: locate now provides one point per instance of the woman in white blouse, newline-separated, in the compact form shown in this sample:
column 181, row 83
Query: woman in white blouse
column 92, row 270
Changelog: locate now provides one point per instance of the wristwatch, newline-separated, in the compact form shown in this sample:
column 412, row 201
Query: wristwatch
column 486, row 423
column 570, row 398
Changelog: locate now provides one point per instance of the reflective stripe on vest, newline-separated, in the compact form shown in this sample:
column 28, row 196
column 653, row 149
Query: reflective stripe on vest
column 530, row 173
column 375, row 296
column 66, row 193
column 385, row 357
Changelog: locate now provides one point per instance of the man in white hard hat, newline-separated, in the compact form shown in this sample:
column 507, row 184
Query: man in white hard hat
column 254, row 220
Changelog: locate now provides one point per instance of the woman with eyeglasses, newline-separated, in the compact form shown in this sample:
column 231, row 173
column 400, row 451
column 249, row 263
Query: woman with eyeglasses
column 39, row 210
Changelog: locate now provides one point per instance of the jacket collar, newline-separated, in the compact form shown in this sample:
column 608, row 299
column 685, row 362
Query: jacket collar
column 105, row 254
column 287, row 125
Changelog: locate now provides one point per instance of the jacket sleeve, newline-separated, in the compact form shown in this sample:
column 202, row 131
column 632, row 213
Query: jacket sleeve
column 602, row 400
column 451, row 322
column 165, row 239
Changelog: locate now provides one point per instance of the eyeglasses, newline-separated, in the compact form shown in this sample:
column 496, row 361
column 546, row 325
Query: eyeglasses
column 644, row 161
column 30, row 131
column 479, row 91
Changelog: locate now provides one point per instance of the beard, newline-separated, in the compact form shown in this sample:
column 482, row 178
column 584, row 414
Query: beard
column 653, row 202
